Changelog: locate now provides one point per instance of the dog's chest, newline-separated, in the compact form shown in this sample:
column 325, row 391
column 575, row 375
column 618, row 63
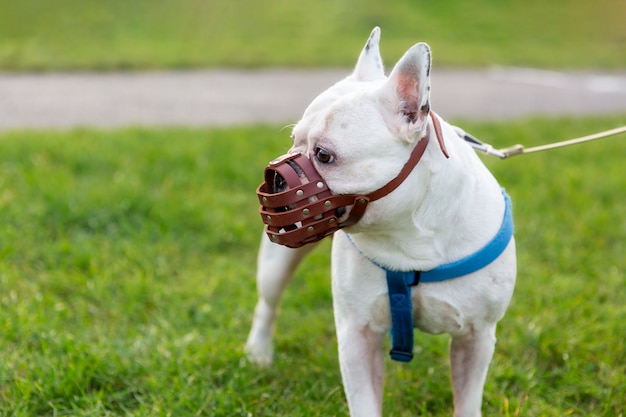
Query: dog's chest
column 430, row 314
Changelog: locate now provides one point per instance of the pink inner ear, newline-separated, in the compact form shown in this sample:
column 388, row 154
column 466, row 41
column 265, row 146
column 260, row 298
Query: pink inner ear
column 407, row 92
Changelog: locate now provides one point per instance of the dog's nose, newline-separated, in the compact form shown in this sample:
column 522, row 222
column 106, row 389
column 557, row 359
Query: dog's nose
column 278, row 183
column 340, row 211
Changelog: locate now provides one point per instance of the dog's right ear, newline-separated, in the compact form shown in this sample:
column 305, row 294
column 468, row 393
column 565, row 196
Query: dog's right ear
column 407, row 92
column 369, row 67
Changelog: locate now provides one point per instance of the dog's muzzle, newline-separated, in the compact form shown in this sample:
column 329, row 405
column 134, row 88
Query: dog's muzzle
column 297, row 206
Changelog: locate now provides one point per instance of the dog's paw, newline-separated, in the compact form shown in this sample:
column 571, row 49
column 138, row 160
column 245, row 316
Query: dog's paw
column 259, row 353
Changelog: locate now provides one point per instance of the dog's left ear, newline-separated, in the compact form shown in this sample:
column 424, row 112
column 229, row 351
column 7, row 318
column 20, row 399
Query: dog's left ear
column 370, row 65
column 408, row 90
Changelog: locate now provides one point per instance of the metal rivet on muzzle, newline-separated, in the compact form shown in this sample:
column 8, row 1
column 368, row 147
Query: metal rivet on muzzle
column 275, row 239
column 264, row 199
column 299, row 193
column 327, row 203
column 331, row 221
column 361, row 200
column 310, row 229
column 306, row 212
column 320, row 184
column 268, row 218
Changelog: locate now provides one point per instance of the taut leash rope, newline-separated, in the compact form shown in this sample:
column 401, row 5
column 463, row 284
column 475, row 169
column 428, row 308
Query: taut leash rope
column 520, row 150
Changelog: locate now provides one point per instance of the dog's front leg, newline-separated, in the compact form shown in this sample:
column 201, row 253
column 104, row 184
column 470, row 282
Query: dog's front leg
column 275, row 267
column 362, row 368
column 358, row 287
column 470, row 355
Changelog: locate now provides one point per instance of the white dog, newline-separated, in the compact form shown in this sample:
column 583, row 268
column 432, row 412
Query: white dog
column 409, row 195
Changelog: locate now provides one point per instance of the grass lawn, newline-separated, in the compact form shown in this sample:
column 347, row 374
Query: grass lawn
column 127, row 263
column 121, row 34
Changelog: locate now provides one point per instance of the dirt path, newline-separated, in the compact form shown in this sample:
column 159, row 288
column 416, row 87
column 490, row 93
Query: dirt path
column 229, row 97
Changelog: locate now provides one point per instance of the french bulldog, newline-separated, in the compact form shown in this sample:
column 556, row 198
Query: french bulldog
column 422, row 231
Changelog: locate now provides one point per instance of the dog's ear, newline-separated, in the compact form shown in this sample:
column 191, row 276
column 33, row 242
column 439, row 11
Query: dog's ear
column 408, row 89
column 370, row 65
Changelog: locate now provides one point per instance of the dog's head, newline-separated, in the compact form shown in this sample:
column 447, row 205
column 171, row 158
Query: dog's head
column 356, row 142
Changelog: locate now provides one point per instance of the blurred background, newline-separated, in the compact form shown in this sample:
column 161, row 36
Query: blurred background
column 38, row 35
column 129, row 225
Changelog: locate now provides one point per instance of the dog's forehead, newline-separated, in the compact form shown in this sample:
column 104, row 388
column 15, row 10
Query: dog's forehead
column 342, row 91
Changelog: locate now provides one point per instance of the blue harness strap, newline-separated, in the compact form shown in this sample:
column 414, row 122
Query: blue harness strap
column 479, row 259
column 399, row 284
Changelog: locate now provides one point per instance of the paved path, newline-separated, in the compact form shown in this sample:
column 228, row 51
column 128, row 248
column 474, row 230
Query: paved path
column 227, row 97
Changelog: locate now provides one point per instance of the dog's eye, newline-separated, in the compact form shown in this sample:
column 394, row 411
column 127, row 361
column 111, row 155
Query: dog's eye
column 323, row 156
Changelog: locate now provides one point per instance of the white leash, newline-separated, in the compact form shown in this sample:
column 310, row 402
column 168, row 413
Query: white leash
column 520, row 150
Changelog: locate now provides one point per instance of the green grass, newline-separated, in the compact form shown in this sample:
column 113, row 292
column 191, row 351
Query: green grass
column 119, row 34
column 127, row 263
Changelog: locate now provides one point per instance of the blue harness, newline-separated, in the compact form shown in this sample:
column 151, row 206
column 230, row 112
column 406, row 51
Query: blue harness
column 399, row 283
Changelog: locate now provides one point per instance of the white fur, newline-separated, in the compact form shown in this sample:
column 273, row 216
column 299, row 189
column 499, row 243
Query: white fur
column 445, row 210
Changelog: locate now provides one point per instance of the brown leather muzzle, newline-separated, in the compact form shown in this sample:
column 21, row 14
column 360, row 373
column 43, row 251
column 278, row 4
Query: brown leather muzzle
column 297, row 206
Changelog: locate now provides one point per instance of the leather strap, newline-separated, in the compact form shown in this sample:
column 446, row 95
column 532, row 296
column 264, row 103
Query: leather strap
column 415, row 157
column 437, row 127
